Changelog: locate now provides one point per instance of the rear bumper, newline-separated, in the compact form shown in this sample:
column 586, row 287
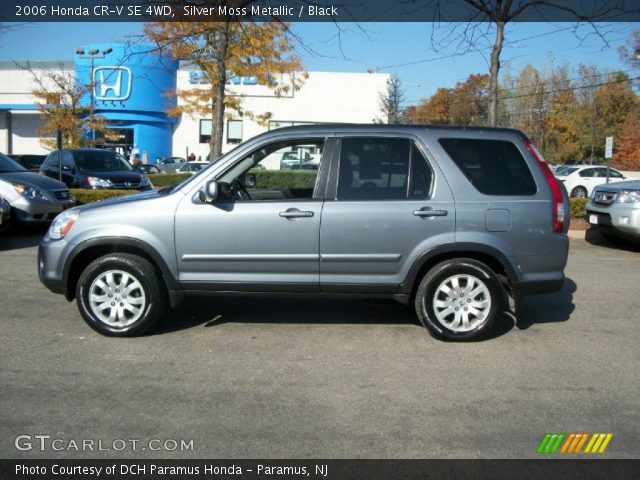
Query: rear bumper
column 541, row 286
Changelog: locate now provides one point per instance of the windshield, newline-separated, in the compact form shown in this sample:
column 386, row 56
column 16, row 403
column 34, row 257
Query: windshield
column 8, row 166
column 565, row 170
column 100, row 161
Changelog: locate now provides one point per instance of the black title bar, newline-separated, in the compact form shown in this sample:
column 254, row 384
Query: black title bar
column 317, row 469
column 319, row 10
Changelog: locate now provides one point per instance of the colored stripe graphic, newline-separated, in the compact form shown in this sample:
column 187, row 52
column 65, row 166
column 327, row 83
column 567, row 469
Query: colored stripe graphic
column 598, row 443
column 574, row 443
column 551, row 442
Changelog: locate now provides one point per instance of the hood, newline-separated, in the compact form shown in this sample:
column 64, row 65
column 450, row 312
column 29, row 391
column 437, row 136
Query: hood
column 33, row 180
column 136, row 197
column 116, row 177
column 617, row 186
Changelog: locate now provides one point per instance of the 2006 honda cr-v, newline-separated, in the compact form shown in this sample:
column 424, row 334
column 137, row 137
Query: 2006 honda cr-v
column 452, row 219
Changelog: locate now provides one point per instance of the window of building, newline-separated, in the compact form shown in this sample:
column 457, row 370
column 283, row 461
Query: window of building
column 378, row 169
column 234, row 131
column 205, row 131
column 494, row 167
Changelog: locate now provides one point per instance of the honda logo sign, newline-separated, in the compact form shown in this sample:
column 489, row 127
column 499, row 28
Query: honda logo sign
column 112, row 83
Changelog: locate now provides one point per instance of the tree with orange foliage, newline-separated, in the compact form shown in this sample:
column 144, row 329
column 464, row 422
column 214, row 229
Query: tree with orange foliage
column 61, row 101
column 223, row 50
column 627, row 150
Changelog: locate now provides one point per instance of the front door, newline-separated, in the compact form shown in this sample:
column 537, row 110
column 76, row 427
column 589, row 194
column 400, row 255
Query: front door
column 262, row 234
column 390, row 206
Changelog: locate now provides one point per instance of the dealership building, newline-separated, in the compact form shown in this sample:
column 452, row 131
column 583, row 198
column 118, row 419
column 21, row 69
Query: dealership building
column 135, row 86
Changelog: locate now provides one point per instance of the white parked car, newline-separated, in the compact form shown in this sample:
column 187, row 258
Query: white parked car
column 579, row 180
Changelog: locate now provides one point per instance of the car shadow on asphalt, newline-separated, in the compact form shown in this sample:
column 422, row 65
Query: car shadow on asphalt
column 595, row 238
column 218, row 310
column 18, row 237
column 550, row 308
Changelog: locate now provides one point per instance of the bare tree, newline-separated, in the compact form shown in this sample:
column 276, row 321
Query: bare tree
column 487, row 17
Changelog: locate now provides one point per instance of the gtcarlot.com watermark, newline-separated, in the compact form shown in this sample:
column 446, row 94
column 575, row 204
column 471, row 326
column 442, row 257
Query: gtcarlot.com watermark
column 45, row 443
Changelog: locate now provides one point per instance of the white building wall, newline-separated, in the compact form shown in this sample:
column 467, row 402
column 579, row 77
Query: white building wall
column 324, row 97
column 24, row 133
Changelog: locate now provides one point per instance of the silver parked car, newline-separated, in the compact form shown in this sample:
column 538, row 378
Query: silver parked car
column 169, row 164
column 614, row 209
column 447, row 219
column 33, row 198
column 5, row 214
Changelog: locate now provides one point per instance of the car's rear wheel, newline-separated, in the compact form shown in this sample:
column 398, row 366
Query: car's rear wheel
column 579, row 192
column 459, row 299
column 120, row 295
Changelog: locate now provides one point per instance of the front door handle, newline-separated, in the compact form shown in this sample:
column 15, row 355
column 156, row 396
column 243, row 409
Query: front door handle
column 296, row 213
column 430, row 212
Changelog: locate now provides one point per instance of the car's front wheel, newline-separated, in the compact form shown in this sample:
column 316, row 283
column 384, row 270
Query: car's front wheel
column 120, row 295
column 459, row 299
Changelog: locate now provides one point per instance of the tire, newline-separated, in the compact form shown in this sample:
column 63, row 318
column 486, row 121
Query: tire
column 140, row 308
column 488, row 300
column 579, row 192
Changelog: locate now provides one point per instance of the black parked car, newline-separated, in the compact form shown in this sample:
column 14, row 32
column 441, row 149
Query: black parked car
column 28, row 161
column 94, row 168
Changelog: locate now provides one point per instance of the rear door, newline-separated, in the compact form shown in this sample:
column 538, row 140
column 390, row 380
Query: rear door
column 386, row 204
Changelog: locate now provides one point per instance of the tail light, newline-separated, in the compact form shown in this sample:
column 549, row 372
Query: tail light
column 556, row 192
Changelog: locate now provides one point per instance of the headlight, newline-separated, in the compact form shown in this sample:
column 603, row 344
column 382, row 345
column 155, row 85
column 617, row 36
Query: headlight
column 629, row 196
column 97, row 182
column 61, row 225
column 29, row 192
column 145, row 181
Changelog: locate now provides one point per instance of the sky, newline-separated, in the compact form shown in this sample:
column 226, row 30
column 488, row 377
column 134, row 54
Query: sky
column 403, row 49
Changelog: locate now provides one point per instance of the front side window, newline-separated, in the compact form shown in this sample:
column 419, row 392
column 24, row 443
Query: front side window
column 266, row 174
column 494, row 167
column 382, row 169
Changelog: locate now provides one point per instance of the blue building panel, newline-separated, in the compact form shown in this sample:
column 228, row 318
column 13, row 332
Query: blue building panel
column 133, row 87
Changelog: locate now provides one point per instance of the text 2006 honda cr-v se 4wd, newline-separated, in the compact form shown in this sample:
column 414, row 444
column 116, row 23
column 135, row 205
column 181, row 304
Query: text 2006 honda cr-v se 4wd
column 450, row 219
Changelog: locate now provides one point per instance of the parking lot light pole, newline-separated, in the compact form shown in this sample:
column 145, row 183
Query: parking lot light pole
column 91, row 56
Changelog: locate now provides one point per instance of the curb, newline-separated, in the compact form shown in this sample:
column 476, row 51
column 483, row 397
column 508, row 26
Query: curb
column 577, row 234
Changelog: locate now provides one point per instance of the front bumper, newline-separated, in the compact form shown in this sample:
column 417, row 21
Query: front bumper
column 623, row 218
column 36, row 211
column 51, row 256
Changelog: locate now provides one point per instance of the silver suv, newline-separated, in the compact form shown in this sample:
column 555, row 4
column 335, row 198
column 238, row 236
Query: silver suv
column 614, row 209
column 448, row 219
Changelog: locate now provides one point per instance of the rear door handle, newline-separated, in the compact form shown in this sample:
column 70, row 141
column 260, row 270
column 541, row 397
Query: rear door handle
column 296, row 213
column 430, row 212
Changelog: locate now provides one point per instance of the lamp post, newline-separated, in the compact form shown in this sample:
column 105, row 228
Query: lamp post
column 91, row 55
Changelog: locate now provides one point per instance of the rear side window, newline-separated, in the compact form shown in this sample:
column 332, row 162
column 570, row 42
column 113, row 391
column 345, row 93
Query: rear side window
column 382, row 169
column 494, row 167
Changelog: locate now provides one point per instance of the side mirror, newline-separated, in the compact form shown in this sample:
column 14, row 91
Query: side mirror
column 249, row 180
column 209, row 192
column 66, row 168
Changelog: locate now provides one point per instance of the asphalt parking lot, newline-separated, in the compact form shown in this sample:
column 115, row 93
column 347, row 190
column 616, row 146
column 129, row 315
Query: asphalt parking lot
column 310, row 378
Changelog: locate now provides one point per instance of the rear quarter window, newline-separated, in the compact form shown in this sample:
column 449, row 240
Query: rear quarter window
column 494, row 167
